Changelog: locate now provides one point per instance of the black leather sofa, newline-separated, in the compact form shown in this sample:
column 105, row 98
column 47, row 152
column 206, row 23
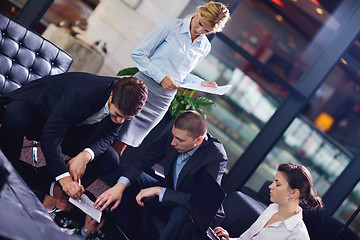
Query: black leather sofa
column 22, row 214
column 24, row 57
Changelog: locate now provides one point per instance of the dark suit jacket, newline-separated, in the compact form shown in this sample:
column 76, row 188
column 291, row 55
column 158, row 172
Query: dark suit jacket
column 66, row 100
column 210, row 156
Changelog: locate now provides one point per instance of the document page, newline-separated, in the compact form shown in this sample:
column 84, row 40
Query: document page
column 87, row 206
column 219, row 90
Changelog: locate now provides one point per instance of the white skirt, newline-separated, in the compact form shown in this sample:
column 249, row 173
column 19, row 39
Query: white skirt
column 134, row 131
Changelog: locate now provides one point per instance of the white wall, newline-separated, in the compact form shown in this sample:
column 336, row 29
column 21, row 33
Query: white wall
column 122, row 24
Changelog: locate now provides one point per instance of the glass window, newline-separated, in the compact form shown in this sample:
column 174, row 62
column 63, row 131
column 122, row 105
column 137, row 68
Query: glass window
column 348, row 207
column 238, row 115
column 303, row 144
column 286, row 36
column 335, row 107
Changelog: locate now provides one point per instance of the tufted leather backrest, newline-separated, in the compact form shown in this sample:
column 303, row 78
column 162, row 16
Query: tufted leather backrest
column 26, row 56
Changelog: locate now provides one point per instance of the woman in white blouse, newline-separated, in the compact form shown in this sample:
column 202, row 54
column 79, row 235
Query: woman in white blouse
column 283, row 218
column 165, row 59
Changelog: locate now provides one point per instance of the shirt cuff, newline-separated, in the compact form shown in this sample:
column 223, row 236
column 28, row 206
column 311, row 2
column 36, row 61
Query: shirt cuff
column 91, row 153
column 124, row 180
column 84, row 234
column 162, row 192
column 51, row 192
column 67, row 174
column 159, row 77
column 191, row 78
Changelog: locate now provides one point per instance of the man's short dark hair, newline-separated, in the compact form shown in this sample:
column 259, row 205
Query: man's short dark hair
column 193, row 122
column 129, row 95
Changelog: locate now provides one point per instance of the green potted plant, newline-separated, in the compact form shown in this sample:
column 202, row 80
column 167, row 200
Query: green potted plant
column 184, row 99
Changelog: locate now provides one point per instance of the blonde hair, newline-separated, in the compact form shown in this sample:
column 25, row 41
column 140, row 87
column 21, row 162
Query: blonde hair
column 214, row 14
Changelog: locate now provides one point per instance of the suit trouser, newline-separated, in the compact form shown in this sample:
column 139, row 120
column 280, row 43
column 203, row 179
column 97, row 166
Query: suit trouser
column 20, row 120
column 153, row 221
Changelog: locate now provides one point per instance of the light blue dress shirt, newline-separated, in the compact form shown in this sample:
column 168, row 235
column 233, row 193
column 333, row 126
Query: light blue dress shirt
column 180, row 162
column 169, row 51
column 178, row 166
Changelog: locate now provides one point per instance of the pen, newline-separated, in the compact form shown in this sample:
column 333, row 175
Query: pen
column 80, row 189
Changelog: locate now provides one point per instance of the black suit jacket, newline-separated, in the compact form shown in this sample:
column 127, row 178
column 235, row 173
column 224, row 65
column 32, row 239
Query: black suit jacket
column 210, row 156
column 66, row 100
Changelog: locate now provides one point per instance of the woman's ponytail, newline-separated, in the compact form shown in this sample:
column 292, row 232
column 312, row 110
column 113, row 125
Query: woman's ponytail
column 300, row 178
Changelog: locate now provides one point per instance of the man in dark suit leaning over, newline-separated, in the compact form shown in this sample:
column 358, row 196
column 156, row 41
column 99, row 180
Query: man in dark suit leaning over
column 78, row 114
column 187, row 151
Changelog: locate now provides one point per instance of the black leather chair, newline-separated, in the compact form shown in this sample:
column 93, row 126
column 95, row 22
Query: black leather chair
column 24, row 57
column 22, row 215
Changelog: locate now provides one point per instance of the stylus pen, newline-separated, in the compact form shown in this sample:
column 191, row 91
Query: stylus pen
column 80, row 189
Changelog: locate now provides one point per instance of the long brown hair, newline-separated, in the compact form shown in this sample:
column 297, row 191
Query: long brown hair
column 300, row 178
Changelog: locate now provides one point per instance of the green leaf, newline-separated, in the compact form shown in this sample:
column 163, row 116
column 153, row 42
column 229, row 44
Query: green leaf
column 128, row 71
column 190, row 102
column 203, row 101
column 199, row 110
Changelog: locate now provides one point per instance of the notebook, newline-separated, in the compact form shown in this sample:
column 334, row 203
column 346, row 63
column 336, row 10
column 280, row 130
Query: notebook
column 204, row 203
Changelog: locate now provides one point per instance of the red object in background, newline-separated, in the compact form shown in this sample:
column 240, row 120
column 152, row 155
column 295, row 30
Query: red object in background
column 316, row 2
column 357, row 108
column 278, row 2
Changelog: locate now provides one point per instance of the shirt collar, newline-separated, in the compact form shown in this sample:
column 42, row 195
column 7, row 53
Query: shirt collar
column 291, row 222
column 192, row 151
column 106, row 108
column 185, row 28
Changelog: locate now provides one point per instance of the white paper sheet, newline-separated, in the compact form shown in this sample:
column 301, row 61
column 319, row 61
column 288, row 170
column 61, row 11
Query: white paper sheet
column 87, row 206
column 219, row 90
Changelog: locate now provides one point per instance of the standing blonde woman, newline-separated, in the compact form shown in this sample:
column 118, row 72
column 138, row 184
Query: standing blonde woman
column 165, row 59
column 283, row 218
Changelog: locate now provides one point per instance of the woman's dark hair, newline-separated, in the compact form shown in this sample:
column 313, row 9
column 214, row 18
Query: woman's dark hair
column 300, row 178
column 129, row 95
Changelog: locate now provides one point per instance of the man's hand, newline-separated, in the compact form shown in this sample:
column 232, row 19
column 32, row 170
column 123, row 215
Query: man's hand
column 71, row 188
column 61, row 199
column 209, row 84
column 168, row 84
column 91, row 225
column 147, row 193
column 77, row 165
column 113, row 194
column 221, row 233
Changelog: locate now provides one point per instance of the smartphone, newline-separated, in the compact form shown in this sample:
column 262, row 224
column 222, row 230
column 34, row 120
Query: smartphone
column 211, row 234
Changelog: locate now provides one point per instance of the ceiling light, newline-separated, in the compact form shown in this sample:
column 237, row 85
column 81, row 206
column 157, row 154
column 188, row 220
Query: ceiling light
column 279, row 18
column 343, row 61
column 319, row 11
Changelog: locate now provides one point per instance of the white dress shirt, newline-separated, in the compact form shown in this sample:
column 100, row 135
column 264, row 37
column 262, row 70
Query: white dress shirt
column 169, row 51
column 292, row 228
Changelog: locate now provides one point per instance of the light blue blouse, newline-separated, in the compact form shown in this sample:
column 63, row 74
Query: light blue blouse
column 169, row 51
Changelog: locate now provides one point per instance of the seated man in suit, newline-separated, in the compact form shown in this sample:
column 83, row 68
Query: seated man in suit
column 78, row 114
column 187, row 151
